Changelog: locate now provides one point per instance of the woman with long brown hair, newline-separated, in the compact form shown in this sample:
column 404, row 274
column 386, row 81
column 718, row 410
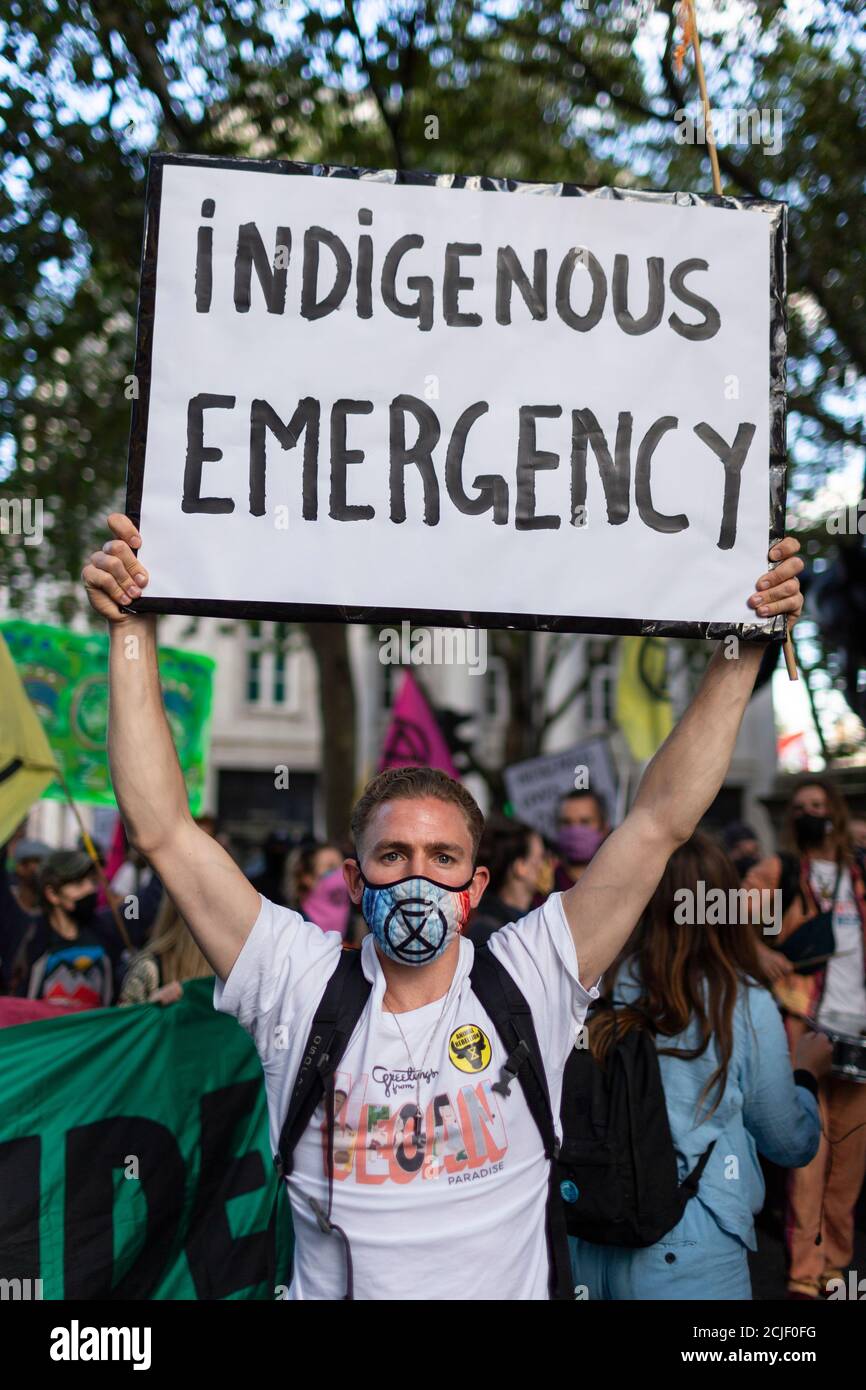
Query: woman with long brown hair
column 691, row 974
column 156, row 974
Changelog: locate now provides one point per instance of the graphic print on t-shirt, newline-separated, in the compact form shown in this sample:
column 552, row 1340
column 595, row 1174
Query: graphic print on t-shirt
column 76, row 975
column 463, row 1136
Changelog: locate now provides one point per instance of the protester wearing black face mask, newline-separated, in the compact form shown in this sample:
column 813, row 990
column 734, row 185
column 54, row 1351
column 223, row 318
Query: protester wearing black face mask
column 811, row 831
column 821, row 873
column 742, row 845
column 71, row 955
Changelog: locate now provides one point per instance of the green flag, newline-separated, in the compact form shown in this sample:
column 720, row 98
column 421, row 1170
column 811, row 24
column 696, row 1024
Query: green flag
column 134, row 1157
column 65, row 676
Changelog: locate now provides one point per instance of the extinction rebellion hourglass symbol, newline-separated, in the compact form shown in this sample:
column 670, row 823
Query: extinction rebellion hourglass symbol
column 412, row 916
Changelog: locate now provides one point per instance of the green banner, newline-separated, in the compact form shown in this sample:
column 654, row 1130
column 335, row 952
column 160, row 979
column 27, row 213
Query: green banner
column 65, row 675
column 134, row 1157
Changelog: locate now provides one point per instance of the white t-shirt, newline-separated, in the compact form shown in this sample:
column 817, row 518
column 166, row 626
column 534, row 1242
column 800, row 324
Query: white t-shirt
column 844, row 989
column 462, row 1216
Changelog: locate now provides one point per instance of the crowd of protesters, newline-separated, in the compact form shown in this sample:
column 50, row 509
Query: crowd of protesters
column 731, row 1013
column 73, row 938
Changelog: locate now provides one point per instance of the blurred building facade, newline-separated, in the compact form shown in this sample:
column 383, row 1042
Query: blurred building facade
column 266, row 749
column 266, row 740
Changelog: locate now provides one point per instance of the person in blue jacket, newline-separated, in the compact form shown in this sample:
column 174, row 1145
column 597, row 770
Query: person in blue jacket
column 726, row 1073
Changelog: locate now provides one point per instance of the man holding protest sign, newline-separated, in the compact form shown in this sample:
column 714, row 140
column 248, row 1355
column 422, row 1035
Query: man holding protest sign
column 421, row 1103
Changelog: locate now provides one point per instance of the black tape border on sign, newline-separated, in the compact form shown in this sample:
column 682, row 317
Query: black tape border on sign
column 768, row 631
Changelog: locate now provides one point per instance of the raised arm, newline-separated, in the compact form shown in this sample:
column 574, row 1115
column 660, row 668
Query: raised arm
column 677, row 788
column 212, row 895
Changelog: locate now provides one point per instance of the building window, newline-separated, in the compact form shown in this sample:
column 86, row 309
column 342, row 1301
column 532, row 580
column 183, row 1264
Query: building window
column 250, row 807
column 278, row 686
column 392, row 677
column 599, row 700
column 254, row 664
column 494, row 690
column 270, row 666
column 280, row 678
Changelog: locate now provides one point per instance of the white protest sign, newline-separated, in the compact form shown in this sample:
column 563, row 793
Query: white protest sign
column 363, row 397
column 536, row 787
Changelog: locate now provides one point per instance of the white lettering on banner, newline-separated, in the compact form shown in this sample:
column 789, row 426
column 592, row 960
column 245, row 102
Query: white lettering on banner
column 579, row 347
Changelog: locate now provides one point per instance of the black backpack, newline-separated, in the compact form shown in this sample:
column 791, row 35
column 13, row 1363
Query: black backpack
column 617, row 1164
column 340, row 1009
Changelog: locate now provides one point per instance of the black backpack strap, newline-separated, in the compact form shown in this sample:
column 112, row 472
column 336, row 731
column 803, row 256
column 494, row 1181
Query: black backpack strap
column 689, row 1184
column 340, row 1008
column 512, row 1018
column 789, row 878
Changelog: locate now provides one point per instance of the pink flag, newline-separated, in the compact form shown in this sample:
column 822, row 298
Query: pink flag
column 118, row 852
column 414, row 739
column 114, row 858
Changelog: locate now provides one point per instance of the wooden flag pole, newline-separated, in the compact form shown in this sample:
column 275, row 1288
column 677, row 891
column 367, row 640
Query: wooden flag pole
column 788, row 646
column 702, row 83
column 91, row 850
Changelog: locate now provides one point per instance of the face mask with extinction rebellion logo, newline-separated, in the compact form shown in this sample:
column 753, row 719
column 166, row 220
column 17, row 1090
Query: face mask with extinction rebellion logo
column 414, row 919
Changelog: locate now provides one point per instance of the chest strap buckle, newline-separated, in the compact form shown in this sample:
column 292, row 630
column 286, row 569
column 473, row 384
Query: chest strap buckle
column 512, row 1066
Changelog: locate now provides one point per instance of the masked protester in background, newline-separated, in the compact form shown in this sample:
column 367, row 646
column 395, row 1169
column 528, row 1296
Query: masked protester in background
column 307, row 864
column 521, row 876
column 28, row 856
column 582, row 828
column 72, row 954
column 328, row 903
column 819, row 871
column 695, row 986
column 171, row 956
column 742, row 846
